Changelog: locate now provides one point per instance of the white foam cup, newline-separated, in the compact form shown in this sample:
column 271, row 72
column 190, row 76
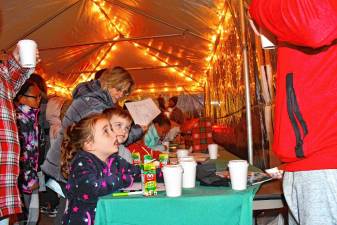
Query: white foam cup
column 173, row 180
column 189, row 173
column 27, row 53
column 182, row 153
column 238, row 170
column 213, row 151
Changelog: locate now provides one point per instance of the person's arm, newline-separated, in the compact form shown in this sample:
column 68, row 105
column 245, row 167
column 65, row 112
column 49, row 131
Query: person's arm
column 309, row 23
column 89, row 182
column 128, row 168
column 16, row 75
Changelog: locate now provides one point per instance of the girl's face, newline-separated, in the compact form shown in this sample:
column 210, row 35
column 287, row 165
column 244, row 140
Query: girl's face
column 121, row 126
column 32, row 97
column 104, row 142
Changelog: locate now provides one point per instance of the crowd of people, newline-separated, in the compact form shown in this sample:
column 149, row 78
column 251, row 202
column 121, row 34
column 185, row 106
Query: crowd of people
column 47, row 142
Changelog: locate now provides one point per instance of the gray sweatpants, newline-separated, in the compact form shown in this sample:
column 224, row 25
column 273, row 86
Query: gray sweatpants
column 311, row 197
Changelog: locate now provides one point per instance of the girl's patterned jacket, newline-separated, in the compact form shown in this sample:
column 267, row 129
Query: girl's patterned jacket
column 29, row 151
column 91, row 178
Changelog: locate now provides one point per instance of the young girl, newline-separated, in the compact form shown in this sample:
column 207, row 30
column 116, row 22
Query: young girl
column 27, row 109
column 95, row 170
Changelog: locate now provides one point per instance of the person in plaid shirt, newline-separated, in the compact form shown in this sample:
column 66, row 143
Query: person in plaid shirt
column 12, row 76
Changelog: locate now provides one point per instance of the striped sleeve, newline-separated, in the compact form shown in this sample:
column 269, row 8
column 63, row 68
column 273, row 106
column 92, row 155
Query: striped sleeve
column 16, row 74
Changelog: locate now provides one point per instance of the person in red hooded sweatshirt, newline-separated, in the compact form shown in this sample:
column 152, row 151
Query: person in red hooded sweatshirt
column 306, row 108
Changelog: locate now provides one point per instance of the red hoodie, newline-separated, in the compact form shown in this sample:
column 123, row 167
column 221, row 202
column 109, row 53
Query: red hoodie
column 305, row 135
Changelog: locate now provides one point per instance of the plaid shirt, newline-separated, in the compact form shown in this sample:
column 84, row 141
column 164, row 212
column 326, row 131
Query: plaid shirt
column 12, row 78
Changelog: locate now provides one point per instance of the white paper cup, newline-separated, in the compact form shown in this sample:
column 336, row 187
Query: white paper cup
column 213, row 151
column 189, row 173
column 27, row 53
column 173, row 180
column 238, row 170
column 182, row 153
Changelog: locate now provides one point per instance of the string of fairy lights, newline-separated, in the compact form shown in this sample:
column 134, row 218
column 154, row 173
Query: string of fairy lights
column 225, row 92
column 119, row 29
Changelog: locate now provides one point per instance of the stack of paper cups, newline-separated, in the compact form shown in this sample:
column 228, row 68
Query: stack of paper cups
column 189, row 174
column 173, row 180
column 238, row 170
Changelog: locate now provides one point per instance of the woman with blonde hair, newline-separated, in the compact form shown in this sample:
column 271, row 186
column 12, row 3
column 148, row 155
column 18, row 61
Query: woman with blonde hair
column 90, row 98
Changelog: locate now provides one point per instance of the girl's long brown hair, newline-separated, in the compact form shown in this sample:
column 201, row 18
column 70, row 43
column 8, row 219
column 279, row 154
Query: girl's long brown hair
column 74, row 138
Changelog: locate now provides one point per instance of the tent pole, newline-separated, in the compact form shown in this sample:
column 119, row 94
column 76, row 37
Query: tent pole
column 246, row 76
column 115, row 41
column 129, row 69
column 42, row 24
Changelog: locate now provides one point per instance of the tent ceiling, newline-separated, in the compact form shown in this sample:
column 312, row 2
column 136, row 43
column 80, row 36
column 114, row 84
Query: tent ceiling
column 164, row 43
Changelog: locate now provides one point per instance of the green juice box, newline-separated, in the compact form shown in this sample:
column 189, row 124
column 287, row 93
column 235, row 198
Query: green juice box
column 136, row 160
column 149, row 179
column 163, row 159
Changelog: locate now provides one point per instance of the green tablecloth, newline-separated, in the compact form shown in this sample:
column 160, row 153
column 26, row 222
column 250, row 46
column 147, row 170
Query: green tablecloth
column 201, row 205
